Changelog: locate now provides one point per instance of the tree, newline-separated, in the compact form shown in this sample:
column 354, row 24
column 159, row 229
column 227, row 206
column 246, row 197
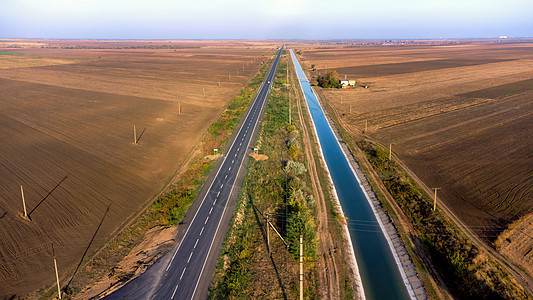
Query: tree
column 330, row 80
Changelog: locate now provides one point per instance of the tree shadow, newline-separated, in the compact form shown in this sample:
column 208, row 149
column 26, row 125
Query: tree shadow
column 140, row 136
column 45, row 197
column 263, row 233
column 87, row 249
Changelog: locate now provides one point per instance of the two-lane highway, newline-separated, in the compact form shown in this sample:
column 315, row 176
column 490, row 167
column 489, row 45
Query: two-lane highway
column 188, row 270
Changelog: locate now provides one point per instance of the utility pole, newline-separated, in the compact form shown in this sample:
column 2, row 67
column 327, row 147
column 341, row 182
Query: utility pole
column 290, row 115
column 134, row 135
column 203, row 91
column 366, row 125
column 57, row 275
column 390, row 151
column 268, row 234
column 301, row 267
column 435, row 199
column 23, row 202
column 179, row 107
column 341, row 100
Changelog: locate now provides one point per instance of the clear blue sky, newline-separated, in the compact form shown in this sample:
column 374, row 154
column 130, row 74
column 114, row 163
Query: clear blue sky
column 265, row 19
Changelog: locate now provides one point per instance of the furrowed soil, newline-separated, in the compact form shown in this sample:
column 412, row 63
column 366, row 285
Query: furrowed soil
column 66, row 129
column 459, row 116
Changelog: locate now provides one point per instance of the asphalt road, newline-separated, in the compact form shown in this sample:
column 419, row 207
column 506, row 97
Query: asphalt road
column 187, row 271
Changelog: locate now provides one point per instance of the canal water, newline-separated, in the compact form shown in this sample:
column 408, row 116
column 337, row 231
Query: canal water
column 379, row 272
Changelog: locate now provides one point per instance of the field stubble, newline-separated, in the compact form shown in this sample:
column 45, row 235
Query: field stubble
column 464, row 128
column 67, row 137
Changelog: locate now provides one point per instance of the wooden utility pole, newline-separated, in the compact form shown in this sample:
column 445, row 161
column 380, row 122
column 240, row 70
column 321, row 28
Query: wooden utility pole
column 134, row 135
column 179, row 107
column 23, row 202
column 435, row 199
column 301, row 267
column 268, row 235
column 366, row 125
column 203, row 91
column 57, row 274
column 290, row 115
column 341, row 100
column 390, row 151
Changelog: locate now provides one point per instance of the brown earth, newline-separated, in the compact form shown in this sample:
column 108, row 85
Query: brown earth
column 66, row 124
column 459, row 116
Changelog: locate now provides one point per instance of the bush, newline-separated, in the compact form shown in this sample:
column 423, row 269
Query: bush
column 295, row 168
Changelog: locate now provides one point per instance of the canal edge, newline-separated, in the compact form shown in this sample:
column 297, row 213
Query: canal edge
column 353, row 260
column 412, row 283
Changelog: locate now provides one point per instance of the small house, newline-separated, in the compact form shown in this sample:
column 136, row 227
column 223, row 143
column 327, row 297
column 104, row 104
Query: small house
column 347, row 84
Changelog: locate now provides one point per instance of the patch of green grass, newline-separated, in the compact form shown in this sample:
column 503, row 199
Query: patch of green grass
column 9, row 53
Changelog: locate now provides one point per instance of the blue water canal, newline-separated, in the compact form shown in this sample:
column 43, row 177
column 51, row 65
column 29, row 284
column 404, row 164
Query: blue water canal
column 379, row 272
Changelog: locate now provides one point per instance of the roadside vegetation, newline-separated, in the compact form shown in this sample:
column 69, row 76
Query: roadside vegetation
column 277, row 188
column 170, row 207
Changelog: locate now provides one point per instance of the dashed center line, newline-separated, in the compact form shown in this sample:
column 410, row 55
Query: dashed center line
column 229, row 168
column 183, row 272
column 188, row 260
column 211, row 210
column 232, row 161
column 206, row 220
column 218, row 193
column 202, row 230
column 196, row 243
column 226, row 176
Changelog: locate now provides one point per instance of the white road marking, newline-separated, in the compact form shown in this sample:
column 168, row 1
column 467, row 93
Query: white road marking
column 223, row 184
column 226, row 176
column 218, row 193
column 188, row 260
column 211, row 210
column 229, row 168
column 232, row 161
column 202, row 230
column 196, row 243
column 206, row 220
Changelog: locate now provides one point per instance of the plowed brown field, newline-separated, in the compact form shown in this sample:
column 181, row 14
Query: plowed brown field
column 66, row 135
column 460, row 116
